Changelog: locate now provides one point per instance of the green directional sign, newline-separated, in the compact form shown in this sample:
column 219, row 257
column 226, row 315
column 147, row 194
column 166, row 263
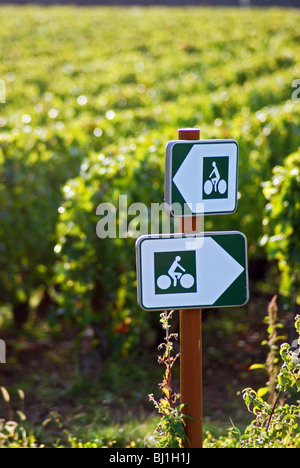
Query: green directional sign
column 201, row 177
column 184, row 271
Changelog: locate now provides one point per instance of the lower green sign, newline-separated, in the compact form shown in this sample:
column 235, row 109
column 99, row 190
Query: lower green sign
column 188, row 271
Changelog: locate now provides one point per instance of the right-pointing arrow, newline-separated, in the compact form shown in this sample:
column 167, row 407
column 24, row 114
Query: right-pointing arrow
column 216, row 271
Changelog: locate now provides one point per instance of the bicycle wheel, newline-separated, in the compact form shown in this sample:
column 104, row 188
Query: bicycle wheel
column 222, row 186
column 208, row 187
column 187, row 281
column 163, row 282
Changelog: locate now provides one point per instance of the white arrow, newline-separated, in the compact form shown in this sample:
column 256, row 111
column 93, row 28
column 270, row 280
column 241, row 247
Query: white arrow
column 188, row 178
column 216, row 271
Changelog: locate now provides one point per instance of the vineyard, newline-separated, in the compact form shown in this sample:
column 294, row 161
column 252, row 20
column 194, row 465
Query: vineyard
column 92, row 96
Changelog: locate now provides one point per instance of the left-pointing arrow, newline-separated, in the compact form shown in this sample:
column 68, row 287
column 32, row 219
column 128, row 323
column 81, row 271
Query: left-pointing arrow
column 188, row 178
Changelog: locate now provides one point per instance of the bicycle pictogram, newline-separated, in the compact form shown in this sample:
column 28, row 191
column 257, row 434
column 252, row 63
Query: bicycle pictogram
column 176, row 274
column 215, row 183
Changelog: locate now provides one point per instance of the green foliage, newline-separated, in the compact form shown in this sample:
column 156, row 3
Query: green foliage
column 92, row 98
column 33, row 170
column 132, row 433
column 273, row 342
column 282, row 220
column 96, row 275
column 275, row 425
column 13, row 431
column 16, row 431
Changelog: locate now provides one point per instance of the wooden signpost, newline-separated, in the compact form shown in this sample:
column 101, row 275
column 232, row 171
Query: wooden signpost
column 190, row 323
column 192, row 270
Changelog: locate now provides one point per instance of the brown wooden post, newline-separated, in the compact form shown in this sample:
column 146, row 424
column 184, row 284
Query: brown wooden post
column 191, row 343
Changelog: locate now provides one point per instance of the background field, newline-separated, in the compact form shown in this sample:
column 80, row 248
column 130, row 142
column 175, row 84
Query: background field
column 92, row 97
column 231, row 3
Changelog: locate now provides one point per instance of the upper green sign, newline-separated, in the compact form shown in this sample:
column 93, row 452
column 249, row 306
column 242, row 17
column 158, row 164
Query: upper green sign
column 201, row 177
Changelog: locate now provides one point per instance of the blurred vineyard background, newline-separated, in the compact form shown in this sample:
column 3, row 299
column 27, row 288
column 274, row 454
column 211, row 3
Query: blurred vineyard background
column 92, row 96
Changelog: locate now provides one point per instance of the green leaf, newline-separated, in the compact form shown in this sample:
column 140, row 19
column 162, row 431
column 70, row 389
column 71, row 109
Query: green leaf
column 5, row 394
column 262, row 391
column 179, row 429
column 257, row 366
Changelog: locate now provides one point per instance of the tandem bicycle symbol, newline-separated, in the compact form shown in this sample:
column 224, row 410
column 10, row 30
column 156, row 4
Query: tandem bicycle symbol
column 215, row 183
column 176, row 274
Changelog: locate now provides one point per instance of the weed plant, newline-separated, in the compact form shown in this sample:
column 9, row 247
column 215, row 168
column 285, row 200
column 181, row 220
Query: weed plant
column 169, row 432
column 276, row 422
